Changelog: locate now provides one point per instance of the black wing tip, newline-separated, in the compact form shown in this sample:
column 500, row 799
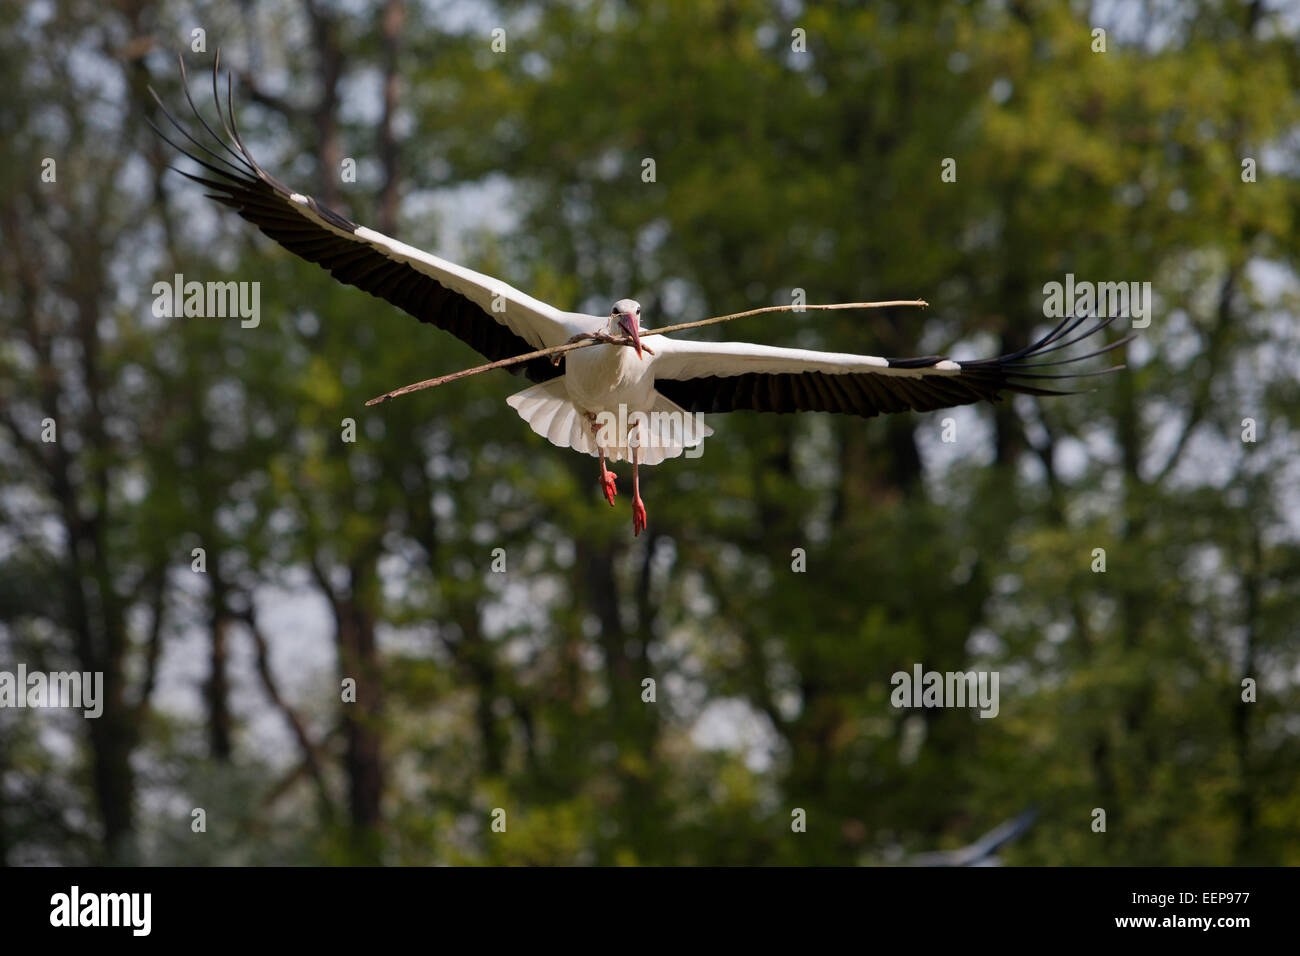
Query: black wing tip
column 1013, row 366
column 243, row 178
column 1018, row 373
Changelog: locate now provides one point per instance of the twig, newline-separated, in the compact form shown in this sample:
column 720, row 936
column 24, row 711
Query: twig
column 626, row 340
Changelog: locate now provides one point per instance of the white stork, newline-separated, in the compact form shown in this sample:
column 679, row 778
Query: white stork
column 620, row 399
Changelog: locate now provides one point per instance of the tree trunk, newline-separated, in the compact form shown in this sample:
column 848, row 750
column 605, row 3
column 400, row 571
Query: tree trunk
column 358, row 659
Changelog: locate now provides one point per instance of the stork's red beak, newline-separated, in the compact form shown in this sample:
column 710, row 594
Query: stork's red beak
column 628, row 324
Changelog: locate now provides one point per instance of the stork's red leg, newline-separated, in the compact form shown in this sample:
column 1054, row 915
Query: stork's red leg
column 638, row 506
column 607, row 482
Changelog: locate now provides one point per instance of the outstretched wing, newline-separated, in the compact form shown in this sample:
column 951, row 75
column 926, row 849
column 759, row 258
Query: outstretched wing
column 485, row 313
column 740, row 376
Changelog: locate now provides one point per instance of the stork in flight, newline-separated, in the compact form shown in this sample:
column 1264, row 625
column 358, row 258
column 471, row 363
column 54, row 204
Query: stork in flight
column 654, row 394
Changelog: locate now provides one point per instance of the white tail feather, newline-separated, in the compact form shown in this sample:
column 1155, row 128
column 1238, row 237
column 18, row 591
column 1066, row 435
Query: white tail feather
column 550, row 412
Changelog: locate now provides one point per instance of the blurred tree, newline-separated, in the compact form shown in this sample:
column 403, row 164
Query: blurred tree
column 791, row 149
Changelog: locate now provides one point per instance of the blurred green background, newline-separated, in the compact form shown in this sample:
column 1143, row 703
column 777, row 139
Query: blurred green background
column 775, row 169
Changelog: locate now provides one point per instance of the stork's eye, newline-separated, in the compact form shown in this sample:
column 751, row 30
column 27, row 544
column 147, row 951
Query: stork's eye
column 638, row 310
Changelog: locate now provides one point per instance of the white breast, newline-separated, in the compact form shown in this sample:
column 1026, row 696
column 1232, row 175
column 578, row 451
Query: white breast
column 603, row 377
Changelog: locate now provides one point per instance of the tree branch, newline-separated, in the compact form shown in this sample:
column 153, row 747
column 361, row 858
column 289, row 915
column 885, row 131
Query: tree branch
column 310, row 753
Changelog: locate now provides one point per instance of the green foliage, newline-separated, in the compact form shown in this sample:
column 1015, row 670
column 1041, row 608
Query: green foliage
column 774, row 170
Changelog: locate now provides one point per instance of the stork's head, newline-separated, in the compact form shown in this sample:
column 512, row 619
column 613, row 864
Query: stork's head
column 625, row 319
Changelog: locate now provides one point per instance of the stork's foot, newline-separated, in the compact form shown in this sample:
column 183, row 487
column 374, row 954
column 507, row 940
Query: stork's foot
column 638, row 516
column 608, row 485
